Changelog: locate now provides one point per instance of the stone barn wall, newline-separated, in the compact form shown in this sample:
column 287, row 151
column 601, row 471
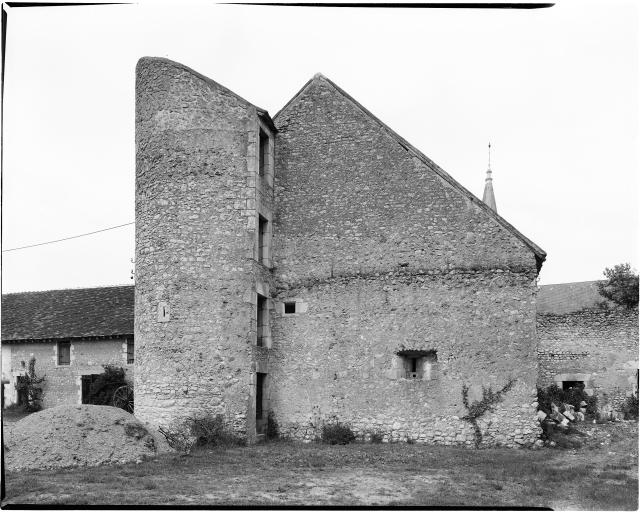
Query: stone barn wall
column 385, row 258
column 198, row 196
column 62, row 385
column 598, row 346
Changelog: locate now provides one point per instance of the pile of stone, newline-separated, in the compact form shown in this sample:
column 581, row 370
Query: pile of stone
column 563, row 415
column 77, row 435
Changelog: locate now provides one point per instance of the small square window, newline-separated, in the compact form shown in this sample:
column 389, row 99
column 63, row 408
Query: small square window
column 64, row 353
column 418, row 364
column 289, row 308
column 130, row 351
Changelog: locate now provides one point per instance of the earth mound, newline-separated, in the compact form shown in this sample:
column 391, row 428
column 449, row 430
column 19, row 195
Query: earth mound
column 77, row 435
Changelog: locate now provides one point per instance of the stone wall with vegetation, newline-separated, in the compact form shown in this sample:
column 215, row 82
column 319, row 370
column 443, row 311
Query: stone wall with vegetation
column 63, row 383
column 386, row 257
column 598, row 346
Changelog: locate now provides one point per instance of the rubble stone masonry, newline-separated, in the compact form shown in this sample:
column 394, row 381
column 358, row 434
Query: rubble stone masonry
column 63, row 384
column 386, row 285
column 197, row 206
column 389, row 257
column 598, row 346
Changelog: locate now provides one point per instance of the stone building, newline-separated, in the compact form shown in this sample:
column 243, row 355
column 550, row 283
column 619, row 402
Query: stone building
column 71, row 333
column 317, row 267
column 587, row 341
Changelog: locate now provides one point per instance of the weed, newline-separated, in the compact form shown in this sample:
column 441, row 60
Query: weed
column 135, row 430
column 489, row 400
column 200, row 431
column 630, row 407
column 376, row 437
column 337, row 433
column 273, row 430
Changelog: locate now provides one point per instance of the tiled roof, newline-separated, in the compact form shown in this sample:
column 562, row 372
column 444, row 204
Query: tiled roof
column 565, row 298
column 83, row 312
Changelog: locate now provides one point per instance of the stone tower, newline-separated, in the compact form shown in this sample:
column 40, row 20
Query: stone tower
column 204, row 191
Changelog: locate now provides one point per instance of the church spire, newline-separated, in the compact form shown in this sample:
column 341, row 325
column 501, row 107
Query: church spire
column 488, row 196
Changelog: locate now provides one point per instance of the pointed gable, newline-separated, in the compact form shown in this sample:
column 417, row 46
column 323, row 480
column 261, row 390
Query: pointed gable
column 358, row 180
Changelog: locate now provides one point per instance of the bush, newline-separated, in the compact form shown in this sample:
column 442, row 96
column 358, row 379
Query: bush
column 571, row 396
column 337, row 433
column 102, row 389
column 212, row 431
column 376, row 437
column 273, row 430
column 630, row 408
column 200, row 431
column 29, row 384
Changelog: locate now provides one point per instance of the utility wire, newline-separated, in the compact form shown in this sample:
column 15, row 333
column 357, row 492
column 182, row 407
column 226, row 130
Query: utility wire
column 68, row 238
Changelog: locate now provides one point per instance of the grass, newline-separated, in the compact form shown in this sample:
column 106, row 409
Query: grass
column 282, row 473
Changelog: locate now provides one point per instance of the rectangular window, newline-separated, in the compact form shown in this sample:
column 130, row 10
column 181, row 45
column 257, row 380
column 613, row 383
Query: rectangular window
column 64, row 352
column 129, row 350
column 263, row 150
column 262, row 320
column 572, row 384
column 289, row 308
column 418, row 364
column 263, row 241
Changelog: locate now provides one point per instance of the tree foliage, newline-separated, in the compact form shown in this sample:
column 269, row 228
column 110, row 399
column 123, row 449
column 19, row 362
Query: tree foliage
column 621, row 285
column 29, row 385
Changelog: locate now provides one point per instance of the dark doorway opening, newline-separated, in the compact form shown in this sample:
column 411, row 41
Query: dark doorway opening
column 261, row 419
column 86, row 381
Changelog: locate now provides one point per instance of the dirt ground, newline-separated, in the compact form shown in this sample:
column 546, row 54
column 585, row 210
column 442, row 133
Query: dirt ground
column 600, row 475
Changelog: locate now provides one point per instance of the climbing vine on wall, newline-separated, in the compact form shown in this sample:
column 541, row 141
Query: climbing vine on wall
column 477, row 409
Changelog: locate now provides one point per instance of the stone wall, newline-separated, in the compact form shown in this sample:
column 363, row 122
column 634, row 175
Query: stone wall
column 198, row 196
column 598, row 346
column 386, row 255
column 62, row 385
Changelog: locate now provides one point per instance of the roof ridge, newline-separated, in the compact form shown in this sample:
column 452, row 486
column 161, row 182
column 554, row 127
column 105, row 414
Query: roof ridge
column 72, row 288
column 572, row 282
column 539, row 252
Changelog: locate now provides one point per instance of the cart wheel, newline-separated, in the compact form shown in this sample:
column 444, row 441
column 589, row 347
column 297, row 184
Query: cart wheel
column 123, row 398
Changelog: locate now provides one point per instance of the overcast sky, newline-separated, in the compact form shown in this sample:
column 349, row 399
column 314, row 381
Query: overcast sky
column 554, row 90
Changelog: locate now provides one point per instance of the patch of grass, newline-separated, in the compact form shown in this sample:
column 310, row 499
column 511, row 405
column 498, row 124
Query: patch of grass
column 610, row 475
column 614, row 497
column 420, row 474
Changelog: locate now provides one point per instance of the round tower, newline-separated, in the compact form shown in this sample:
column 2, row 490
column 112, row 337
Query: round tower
column 197, row 146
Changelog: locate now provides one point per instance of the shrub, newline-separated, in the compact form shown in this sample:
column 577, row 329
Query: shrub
column 29, row 384
column 178, row 437
column 630, row 408
column 488, row 402
column 102, row 389
column 200, row 431
column 273, row 430
column 212, row 431
column 573, row 396
column 376, row 437
column 337, row 433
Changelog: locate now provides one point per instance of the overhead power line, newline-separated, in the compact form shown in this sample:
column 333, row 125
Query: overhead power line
column 68, row 238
